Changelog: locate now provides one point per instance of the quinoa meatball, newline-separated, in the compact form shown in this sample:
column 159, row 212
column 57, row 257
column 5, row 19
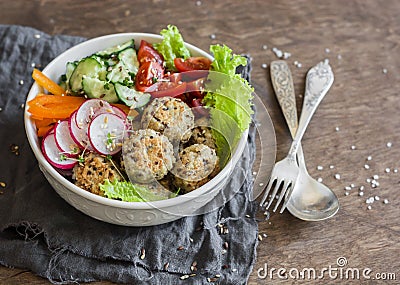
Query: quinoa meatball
column 197, row 165
column 202, row 134
column 147, row 155
column 94, row 170
column 169, row 116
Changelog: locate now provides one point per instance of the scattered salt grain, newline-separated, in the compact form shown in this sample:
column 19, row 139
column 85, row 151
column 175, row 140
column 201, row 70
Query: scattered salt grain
column 319, row 179
column 352, row 185
column 347, row 193
column 254, row 173
column 264, row 47
column 369, row 158
column 361, row 187
column 389, row 144
column 331, row 166
column 384, row 71
column 264, row 65
column 327, row 50
column 337, row 176
column 261, row 184
column 277, row 52
column 361, row 194
column 21, row 82
column 368, row 180
column 37, row 36
column 353, row 147
column 366, row 166
column 198, row 3
column 286, row 55
column 337, row 129
column 376, row 198
column 320, row 167
column 394, row 170
column 339, row 56
column 212, row 36
column 386, row 201
column 369, row 207
column 33, row 64
column 376, row 176
column 348, row 188
column 1, row 109
column 387, row 170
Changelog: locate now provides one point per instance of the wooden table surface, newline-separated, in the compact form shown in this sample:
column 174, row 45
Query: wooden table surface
column 357, row 119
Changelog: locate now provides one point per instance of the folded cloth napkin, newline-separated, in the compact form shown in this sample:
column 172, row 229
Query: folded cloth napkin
column 41, row 232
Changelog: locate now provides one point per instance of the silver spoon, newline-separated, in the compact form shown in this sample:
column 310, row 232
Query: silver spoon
column 310, row 200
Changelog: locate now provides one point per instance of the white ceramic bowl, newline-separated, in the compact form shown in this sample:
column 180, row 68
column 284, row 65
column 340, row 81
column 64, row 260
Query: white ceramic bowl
column 113, row 211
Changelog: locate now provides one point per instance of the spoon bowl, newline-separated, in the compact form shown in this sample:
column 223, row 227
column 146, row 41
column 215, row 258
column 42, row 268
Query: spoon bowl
column 310, row 199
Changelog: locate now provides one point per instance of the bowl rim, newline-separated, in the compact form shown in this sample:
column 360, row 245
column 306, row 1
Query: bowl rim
column 35, row 146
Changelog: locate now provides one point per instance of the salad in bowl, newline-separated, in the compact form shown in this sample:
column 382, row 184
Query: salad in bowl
column 139, row 122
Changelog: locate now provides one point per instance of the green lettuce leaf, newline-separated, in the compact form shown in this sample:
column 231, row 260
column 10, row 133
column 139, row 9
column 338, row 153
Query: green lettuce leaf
column 128, row 192
column 229, row 97
column 172, row 46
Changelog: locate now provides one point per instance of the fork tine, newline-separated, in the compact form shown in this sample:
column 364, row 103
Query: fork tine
column 278, row 184
column 285, row 187
column 267, row 190
column 287, row 198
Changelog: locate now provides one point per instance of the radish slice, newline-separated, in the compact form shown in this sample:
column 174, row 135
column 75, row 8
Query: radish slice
column 90, row 109
column 64, row 140
column 79, row 136
column 54, row 155
column 106, row 133
column 119, row 112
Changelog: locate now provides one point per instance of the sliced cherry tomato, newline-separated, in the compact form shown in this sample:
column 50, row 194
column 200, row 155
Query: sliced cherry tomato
column 174, row 77
column 167, row 88
column 148, row 73
column 196, row 87
column 198, row 107
column 147, row 53
column 192, row 63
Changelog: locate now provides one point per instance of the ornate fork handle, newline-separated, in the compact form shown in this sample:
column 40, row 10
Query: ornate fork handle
column 319, row 80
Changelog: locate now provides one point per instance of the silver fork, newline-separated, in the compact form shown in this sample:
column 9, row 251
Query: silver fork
column 319, row 80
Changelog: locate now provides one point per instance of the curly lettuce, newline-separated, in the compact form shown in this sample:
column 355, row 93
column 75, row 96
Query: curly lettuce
column 128, row 192
column 172, row 46
column 229, row 98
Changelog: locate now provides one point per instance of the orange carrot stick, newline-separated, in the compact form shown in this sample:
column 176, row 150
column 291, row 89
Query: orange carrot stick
column 47, row 83
column 43, row 130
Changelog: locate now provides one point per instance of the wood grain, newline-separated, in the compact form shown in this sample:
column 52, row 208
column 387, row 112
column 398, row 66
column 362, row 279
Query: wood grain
column 360, row 38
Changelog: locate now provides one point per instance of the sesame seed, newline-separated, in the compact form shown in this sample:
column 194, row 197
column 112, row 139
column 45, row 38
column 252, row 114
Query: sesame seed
column 226, row 245
column 223, row 251
column 22, row 106
column 198, row 3
column 234, row 269
column 142, row 254
column 369, row 157
column 385, row 201
column 265, row 235
column 166, row 265
column 337, row 176
column 368, row 180
column 353, row 147
column 327, row 50
column 366, row 166
column 247, row 216
column 261, row 184
column 212, row 36
column 339, row 56
column 1, row 109
column 384, row 71
column 376, row 176
column 376, row 198
column 319, row 167
column 347, row 193
column 180, row 248
column 395, row 170
column 361, row 194
column 21, row 82
column 254, row 173
column 264, row 65
column 183, row 277
column 348, row 188
column 299, row 65
column 33, row 64
column 387, row 170
column 3, row 184
column 264, row 47
column 337, row 129
column 319, row 179
column 352, row 185
column 331, row 166
column 37, row 36
column 362, row 187
column 369, row 207
column 389, row 144
column 286, row 55
column 260, row 238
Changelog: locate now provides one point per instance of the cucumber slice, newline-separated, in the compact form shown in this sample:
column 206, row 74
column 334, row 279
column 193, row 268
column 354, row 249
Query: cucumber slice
column 129, row 59
column 69, row 70
column 120, row 74
column 96, row 88
column 116, row 49
column 89, row 67
column 131, row 97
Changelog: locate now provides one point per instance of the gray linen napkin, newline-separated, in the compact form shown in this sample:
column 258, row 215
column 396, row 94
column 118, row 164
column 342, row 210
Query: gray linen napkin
column 41, row 232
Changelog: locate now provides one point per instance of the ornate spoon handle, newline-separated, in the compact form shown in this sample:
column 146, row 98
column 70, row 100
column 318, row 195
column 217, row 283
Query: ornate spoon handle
column 319, row 80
